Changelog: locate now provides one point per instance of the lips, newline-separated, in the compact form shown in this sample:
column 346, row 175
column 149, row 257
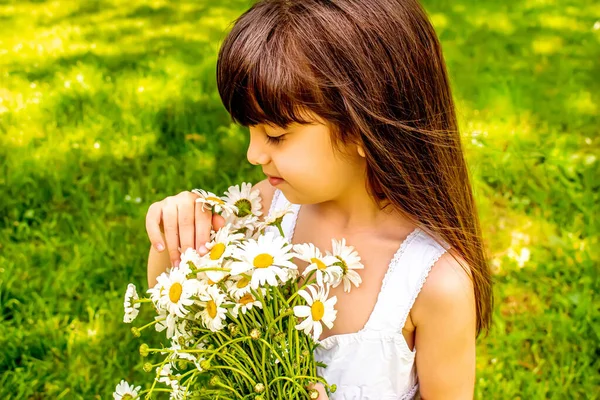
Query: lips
column 274, row 180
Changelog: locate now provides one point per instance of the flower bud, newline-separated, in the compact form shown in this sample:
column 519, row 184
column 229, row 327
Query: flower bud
column 181, row 341
column 280, row 337
column 135, row 331
column 255, row 334
column 333, row 388
column 259, row 387
column 305, row 353
column 259, row 397
column 214, row 380
column 313, row 394
column 148, row 367
column 233, row 329
column 205, row 365
column 144, row 350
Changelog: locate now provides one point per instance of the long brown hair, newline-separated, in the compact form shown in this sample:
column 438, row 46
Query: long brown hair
column 374, row 70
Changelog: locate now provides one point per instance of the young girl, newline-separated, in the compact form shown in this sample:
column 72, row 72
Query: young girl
column 351, row 117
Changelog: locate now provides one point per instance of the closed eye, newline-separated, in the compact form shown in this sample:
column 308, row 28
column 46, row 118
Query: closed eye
column 275, row 139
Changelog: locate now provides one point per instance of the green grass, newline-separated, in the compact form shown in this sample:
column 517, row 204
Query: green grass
column 107, row 107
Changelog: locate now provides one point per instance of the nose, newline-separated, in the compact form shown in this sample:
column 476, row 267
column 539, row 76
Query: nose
column 257, row 154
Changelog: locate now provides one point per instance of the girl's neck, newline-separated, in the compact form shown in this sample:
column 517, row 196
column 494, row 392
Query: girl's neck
column 354, row 210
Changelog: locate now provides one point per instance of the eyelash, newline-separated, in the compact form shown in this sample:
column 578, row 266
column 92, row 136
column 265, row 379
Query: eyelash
column 275, row 139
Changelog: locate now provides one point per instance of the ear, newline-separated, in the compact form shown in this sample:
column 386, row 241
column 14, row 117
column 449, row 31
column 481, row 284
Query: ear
column 361, row 151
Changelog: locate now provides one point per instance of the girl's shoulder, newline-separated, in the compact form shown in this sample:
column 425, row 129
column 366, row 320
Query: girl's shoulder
column 447, row 291
column 266, row 192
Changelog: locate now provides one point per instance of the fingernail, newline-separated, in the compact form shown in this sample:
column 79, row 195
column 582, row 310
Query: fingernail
column 203, row 249
column 176, row 264
column 160, row 247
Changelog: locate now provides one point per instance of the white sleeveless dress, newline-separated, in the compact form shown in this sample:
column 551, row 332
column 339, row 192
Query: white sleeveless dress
column 376, row 363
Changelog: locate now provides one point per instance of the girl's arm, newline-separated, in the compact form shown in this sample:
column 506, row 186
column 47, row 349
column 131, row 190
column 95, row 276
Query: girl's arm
column 445, row 319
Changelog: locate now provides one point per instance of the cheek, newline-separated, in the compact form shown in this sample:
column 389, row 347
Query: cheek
column 313, row 172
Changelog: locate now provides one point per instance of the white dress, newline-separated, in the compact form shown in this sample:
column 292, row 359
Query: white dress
column 376, row 363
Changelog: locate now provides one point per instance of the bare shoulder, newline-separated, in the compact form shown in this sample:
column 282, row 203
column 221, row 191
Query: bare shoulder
column 448, row 292
column 266, row 191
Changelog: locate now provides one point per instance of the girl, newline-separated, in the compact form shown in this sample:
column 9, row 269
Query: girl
column 351, row 117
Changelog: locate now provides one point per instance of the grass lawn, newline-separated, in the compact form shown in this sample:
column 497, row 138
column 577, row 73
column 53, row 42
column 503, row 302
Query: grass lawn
column 109, row 106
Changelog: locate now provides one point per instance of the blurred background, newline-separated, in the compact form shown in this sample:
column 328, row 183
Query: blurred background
column 109, row 106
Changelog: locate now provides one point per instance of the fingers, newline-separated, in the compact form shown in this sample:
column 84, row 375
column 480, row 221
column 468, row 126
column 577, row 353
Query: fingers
column 170, row 223
column 203, row 227
column 153, row 226
column 185, row 220
column 217, row 222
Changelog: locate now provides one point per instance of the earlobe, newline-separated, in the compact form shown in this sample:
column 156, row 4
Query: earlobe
column 361, row 151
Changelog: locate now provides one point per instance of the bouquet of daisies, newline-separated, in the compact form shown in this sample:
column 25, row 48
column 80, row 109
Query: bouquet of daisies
column 242, row 322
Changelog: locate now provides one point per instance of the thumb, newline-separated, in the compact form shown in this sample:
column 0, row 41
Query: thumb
column 321, row 389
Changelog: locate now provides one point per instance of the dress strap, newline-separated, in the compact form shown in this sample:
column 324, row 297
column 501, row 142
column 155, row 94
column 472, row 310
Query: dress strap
column 288, row 223
column 403, row 281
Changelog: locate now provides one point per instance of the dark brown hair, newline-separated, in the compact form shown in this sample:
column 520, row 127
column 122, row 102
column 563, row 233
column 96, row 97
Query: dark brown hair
column 374, row 70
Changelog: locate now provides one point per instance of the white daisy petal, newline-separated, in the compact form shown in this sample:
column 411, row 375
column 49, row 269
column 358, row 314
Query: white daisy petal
column 301, row 311
column 123, row 389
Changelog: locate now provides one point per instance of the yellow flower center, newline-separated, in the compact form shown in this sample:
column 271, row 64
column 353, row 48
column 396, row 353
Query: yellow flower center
column 242, row 283
column 175, row 292
column 217, row 251
column 210, row 281
column 247, row 298
column 211, row 307
column 320, row 264
column 317, row 310
column 263, row 260
column 127, row 396
column 215, row 199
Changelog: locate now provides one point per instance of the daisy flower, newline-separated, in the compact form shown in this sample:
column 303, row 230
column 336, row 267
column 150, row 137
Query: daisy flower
column 215, row 202
column 221, row 247
column 131, row 308
column 264, row 259
column 164, row 375
column 349, row 260
column 177, row 292
column 169, row 322
column 157, row 291
column 238, row 285
column 246, row 200
column 318, row 311
column 190, row 260
column 272, row 220
column 245, row 303
column 213, row 314
column 247, row 225
column 325, row 270
column 178, row 393
column 181, row 354
column 124, row 391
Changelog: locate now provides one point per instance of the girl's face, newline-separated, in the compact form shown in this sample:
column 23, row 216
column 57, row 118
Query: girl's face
column 303, row 155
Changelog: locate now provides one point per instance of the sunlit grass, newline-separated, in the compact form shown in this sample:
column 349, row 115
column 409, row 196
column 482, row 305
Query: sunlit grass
column 109, row 106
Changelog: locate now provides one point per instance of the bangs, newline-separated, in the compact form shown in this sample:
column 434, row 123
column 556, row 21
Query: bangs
column 263, row 76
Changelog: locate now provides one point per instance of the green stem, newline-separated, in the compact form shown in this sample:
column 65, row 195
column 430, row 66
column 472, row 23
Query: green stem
column 292, row 381
column 151, row 323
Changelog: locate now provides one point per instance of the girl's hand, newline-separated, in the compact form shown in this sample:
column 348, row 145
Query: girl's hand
column 184, row 222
